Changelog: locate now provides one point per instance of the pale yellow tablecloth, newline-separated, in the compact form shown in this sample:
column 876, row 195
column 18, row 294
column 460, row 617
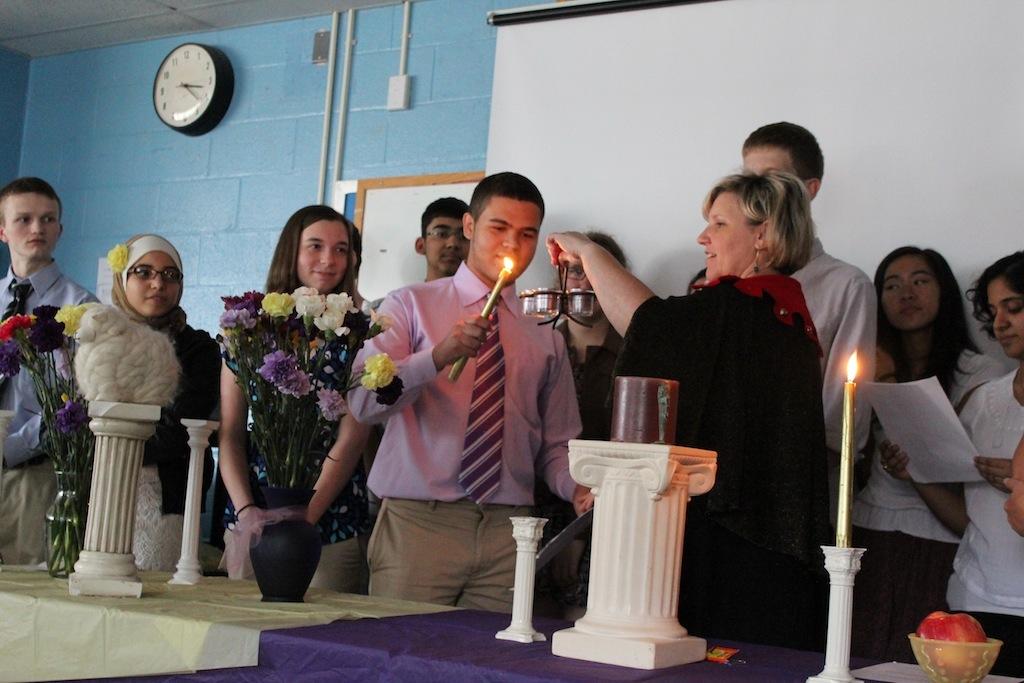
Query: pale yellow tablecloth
column 46, row 634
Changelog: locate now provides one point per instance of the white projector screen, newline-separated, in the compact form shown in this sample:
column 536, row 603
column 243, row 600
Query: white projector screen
column 625, row 120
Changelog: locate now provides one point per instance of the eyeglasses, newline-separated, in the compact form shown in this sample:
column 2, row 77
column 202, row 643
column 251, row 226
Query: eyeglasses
column 445, row 233
column 147, row 273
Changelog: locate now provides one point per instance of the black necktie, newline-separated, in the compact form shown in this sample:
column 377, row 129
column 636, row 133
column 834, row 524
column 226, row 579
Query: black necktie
column 17, row 305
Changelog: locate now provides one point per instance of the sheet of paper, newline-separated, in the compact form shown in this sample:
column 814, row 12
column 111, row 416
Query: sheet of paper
column 894, row 672
column 919, row 417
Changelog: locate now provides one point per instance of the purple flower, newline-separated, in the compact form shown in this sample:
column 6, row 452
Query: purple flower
column 10, row 358
column 249, row 301
column 386, row 396
column 283, row 371
column 332, row 404
column 47, row 334
column 71, row 417
column 358, row 323
column 45, row 312
column 237, row 318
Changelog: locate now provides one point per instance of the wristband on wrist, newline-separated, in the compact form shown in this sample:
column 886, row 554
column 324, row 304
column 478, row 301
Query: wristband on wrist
column 239, row 511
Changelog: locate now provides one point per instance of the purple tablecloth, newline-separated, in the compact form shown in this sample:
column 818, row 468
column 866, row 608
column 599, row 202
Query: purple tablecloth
column 460, row 646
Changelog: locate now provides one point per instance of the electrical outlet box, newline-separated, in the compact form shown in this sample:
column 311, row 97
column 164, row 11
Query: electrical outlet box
column 321, row 46
column 398, row 92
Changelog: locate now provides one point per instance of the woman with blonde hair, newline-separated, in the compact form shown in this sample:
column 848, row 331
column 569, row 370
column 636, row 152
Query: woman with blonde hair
column 745, row 353
column 148, row 285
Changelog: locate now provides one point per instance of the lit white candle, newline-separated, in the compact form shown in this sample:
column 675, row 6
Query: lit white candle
column 846, row 459
column 503, row 277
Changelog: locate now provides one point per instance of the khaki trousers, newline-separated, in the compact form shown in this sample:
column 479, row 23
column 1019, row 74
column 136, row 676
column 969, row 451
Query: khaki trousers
column 460, row 553
column 26, row 493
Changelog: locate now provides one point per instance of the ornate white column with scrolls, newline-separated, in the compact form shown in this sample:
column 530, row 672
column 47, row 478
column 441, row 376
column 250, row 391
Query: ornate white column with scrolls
column 842, row 565
column 189, row 570
column 527, row 531
column 641, row 492
column 106, row 565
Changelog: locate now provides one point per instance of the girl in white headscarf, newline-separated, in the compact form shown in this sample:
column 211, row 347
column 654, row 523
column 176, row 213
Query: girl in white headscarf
column 148, row 284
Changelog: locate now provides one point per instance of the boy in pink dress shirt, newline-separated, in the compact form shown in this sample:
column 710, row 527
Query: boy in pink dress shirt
column 437, row 539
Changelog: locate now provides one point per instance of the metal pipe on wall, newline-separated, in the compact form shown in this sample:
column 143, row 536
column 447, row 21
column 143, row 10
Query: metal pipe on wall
column 332, row 58
column 346, row 75
column 403, row 58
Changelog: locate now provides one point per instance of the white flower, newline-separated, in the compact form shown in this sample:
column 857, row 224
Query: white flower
column 381, row 320
column 331, row 321
column 309, row 302
column 340, row 303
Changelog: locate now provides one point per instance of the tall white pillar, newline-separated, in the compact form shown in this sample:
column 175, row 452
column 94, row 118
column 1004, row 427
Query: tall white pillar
column 189, row 569
column 842, row 565
column 106, row 566
column 641, row 492
column 527, row 531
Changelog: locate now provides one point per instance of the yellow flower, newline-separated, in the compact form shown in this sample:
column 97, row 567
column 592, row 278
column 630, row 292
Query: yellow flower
column 117, row 258
column 71, row 316
column 379, row 371
column 278, row 305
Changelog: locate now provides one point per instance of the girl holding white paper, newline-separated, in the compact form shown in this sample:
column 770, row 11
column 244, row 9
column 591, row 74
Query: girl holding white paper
column 911, row 530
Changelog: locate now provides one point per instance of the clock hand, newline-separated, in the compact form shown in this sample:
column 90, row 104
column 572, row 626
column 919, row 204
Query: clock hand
column 188, row 87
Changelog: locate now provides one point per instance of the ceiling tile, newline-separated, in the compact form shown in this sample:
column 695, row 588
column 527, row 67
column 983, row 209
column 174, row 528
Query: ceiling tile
column 129, row 30
column 19, row 18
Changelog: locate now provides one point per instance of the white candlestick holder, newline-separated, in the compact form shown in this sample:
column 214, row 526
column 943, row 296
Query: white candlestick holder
column 842, row 565
column 527, row 532
column 189, row 570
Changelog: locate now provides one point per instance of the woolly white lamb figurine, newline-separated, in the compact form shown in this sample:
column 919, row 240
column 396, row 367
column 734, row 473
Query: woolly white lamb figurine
column 123, row 361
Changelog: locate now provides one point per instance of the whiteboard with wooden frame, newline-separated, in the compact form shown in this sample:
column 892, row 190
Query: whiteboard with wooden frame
column 388, row 212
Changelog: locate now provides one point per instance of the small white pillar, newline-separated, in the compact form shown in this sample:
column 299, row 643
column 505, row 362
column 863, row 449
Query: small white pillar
column 842, row 565
column 527, row 531
column 106, row 565
column 641, row 492
column 189, row 569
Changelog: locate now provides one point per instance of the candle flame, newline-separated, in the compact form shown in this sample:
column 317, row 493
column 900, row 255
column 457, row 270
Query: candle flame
column 509, row 263
column 851, row 367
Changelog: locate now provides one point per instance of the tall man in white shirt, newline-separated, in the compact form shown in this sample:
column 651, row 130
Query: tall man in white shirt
column 30, row 213
column 840, row 297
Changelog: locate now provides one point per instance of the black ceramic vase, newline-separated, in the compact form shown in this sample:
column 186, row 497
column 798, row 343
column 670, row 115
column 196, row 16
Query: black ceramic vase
column 286, row 556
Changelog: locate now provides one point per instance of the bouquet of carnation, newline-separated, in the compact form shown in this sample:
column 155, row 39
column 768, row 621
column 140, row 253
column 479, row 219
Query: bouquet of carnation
column 292, row 355
column 43, row 343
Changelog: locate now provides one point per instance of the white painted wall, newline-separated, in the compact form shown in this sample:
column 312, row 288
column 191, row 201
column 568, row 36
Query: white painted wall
column 625, row 120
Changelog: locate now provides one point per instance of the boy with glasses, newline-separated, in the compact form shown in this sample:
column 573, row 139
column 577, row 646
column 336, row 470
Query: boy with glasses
column 441, row 239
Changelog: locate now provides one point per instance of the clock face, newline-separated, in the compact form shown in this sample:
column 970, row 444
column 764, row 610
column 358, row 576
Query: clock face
column 193, row 88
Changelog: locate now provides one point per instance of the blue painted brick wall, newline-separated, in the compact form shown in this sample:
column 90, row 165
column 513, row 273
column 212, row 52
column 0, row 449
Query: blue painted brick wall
column 223, row 197
column 14, row 72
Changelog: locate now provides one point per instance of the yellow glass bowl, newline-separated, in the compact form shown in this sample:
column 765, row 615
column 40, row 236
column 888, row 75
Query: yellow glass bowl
column 951, row 661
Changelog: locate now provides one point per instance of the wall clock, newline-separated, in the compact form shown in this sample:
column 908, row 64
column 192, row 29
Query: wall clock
column 193, row 88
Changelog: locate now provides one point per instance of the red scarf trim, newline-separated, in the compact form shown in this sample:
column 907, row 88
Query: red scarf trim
column 786, row 293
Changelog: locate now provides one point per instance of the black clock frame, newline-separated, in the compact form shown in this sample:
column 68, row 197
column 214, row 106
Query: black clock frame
column 222, row 93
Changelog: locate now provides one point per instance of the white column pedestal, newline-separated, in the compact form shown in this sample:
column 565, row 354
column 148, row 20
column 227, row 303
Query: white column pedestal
column 527, row 531
column 641, row 492
column 106, row 565
column 842, row 565
column 189, row 570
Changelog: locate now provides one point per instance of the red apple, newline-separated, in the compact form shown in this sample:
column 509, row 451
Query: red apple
column 958, row 626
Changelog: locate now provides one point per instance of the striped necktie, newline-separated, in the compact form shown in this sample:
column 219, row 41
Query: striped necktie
column 481, row 455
